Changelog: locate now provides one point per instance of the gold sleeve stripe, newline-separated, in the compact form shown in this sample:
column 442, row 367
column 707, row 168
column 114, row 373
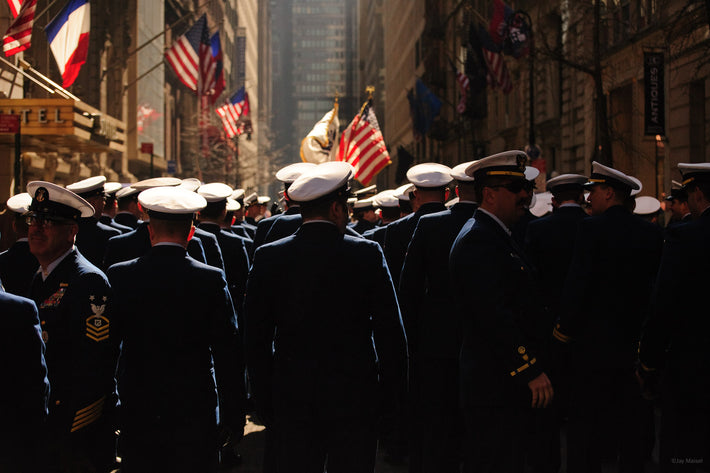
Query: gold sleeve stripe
column 92, row 405
column 646, row 368
column 560, row 336
column 90, row 420
column 82, row 416
column 524, row 367
column 95, row 338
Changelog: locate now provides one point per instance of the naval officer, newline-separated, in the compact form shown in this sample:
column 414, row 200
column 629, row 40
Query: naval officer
column 503, row 361
column 604, row 303
column 93, row 235
column 181, row 368
column 74, row 301
column 17, row 264
column 323, row 368
column 674, row 346
column 433, row 331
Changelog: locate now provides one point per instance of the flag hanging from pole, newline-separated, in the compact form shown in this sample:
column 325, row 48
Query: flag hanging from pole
column 15, row 6
column 189, row 55
column 363, row 146
column 321, row 143
column 463, row 82
column 236, row 107
column 68, row 37
column 19, row 34
column 214, row 70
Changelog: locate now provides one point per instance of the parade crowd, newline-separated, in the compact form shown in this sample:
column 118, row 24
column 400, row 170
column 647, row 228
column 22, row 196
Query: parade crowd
column 141, row 324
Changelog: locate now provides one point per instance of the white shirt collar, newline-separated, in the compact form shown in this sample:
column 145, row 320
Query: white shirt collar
column 502, row 225
column 53, row 264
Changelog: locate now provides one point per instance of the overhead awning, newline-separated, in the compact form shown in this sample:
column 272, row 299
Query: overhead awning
column 63, row 126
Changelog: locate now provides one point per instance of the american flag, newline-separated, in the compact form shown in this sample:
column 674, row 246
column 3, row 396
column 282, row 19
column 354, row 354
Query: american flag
column 498, row 75
column 190, row 56
column 214, row 70
column 237, row 106
column 19, row 34
column 462, row 80
column 363, row 146
column 15, row 6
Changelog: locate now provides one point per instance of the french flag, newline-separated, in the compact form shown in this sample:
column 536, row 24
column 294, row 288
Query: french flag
column 68, row 37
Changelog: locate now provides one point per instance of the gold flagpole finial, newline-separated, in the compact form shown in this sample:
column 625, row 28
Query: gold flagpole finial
column 370, row 89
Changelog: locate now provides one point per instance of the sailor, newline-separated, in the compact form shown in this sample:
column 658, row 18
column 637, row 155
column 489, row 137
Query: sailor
column 430, row 181
column 17, row 264
column 93, row 235
column 678, row 200
column 503, row 361
column 433, row 329
column 365, row 217
column 111, row 207
column 136, row 243
column 128, row 213
column 388, row 203
column 604, row 302
column 323, row 375
column 239, row 226
column 181, row 369
column 74, row 301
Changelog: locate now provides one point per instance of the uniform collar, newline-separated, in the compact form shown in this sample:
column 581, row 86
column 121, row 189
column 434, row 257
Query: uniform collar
column 497, row 220
column 45, row 273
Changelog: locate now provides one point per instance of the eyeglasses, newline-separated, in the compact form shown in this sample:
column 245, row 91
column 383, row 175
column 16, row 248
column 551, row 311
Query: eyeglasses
column 516, row 186
column 45, row 221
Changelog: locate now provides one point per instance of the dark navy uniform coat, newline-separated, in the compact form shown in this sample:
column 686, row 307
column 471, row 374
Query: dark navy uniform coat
column 362, row 226
column 608, row 288
column 107, row 220
column 235, row 259
column 127, row 219
column 78, row 330
column 25, row 392
column 400, row 232
column 212, row 248
column 504, row 333
column 549, row 244
column 677, row 333
column 428, row 310
column 264, row 225
column 92, row 238
column 17, row 268
column 331, row 355
column 377, row 234
column 181, row 352
column 137, row 243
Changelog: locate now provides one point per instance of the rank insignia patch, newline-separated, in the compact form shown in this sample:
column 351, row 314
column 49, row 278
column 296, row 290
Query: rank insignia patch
column 97, row 325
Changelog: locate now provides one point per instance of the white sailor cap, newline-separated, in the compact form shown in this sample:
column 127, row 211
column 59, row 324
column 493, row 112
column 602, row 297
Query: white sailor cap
column 190, row 183
column 639, row 183
column 450, row 203
column 110, row 188
column 53, row 201
column 402, row 192
column 602, row 174
column 156, row 182
column 458, row 172
column 506, row 164
column 324, row 179
column 251, row 199
column 429, row 175
column 694, row 172
column 646, row 205
column 365, row 203
column 89, row 187
column 386, row 199
column 564, row 181
column 290, row 173
column 126, row 192
column 263, row 199
column 232, row 205
column 19, row 203
column 171, row 203
column 215, row 191
column 238, row 194
column 369, row 190
column 542, row 203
